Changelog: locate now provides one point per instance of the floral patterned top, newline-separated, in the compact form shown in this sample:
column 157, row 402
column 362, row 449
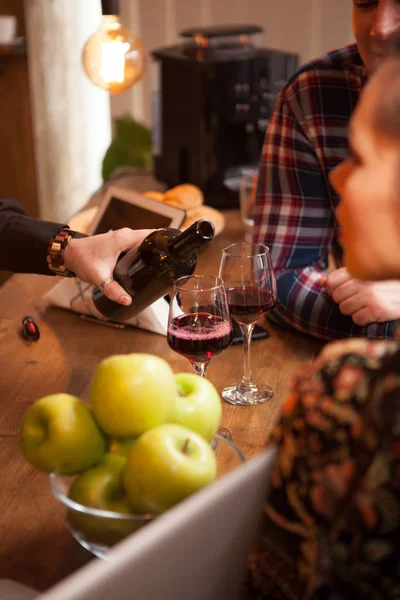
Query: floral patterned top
column 331, row 527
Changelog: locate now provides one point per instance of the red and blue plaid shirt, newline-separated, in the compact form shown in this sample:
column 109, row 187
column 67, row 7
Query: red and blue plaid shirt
column 295, row 207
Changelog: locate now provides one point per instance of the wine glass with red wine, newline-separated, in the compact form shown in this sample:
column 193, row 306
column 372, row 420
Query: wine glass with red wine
column 199, row 325
column 251, row 290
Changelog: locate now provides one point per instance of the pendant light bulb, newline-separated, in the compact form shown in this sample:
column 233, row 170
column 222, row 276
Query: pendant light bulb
column 113, row 57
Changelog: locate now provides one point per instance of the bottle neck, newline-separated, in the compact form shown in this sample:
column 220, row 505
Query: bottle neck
column 192, row 239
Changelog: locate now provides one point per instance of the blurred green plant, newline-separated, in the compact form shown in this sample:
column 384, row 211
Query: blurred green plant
column 130, row 147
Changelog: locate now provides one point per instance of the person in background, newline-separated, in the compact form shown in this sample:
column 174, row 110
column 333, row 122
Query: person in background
column 295, row 206
column 331, row 524
column 30, row 245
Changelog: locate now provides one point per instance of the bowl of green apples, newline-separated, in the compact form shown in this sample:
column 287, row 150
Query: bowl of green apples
column 147, row 440
column 181, row 470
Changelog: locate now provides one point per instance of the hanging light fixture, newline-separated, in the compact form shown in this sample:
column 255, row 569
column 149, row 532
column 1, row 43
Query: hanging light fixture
column 113, row 57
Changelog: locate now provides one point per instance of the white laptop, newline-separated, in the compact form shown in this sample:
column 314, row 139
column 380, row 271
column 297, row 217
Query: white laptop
column 196, row 551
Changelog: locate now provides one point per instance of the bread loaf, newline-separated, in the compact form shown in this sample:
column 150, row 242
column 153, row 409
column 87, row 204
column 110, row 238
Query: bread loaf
column 159, row 196
column 185, row 196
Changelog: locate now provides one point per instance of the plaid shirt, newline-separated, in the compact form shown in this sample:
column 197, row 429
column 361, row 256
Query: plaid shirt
column 295, row 206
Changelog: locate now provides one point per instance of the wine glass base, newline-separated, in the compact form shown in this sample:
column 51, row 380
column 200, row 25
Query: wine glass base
column 224, row 433
column 247, row 396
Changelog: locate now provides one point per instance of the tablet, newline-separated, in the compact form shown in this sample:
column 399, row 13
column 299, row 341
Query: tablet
column 123, row 207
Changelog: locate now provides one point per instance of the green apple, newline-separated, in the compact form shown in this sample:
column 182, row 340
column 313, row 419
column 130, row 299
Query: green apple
column 101, row 487
column 165, row 465
column 58, row 433
column 131, row 393
column 198, row 405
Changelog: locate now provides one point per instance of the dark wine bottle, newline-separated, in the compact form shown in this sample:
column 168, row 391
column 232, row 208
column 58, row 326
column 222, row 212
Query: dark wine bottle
column 149, row 272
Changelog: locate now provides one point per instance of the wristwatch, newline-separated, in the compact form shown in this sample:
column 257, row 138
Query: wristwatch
column 55, row 251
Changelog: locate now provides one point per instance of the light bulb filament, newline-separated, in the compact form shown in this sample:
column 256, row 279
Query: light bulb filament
column 113, row 61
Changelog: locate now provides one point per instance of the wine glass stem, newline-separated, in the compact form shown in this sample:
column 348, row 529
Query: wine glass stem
column 200, row 368
column 247, row 330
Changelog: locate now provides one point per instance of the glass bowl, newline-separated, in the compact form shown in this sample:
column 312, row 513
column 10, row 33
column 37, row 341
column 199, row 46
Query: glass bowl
column 98, row 530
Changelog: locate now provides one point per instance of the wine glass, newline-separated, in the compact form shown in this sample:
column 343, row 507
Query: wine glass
column 251, row 290
column 199, row 325
column 247, row 198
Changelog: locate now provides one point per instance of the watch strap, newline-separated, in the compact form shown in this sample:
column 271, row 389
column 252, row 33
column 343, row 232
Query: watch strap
column 56, row 249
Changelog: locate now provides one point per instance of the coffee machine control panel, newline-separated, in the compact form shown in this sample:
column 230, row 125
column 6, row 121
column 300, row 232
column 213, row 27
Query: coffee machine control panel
column 248, row 89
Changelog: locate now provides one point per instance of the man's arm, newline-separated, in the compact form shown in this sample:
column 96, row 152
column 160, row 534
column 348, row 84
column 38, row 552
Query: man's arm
column 294, row 218
column 23, row 240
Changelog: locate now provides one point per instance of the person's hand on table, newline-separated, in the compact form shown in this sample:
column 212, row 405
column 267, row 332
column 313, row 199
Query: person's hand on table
column 365, row 301
column 93, row 259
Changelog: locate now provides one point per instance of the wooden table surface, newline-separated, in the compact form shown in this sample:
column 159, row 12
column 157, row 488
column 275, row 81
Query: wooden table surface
column 35, row 547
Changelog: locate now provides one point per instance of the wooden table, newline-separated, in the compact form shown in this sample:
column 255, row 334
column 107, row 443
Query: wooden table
column 35, row 546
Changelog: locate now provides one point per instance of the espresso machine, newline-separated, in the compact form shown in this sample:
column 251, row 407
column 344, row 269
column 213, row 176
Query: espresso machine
column 212, row 98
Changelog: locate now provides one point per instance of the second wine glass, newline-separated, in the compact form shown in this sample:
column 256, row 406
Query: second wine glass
column 251, row 290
